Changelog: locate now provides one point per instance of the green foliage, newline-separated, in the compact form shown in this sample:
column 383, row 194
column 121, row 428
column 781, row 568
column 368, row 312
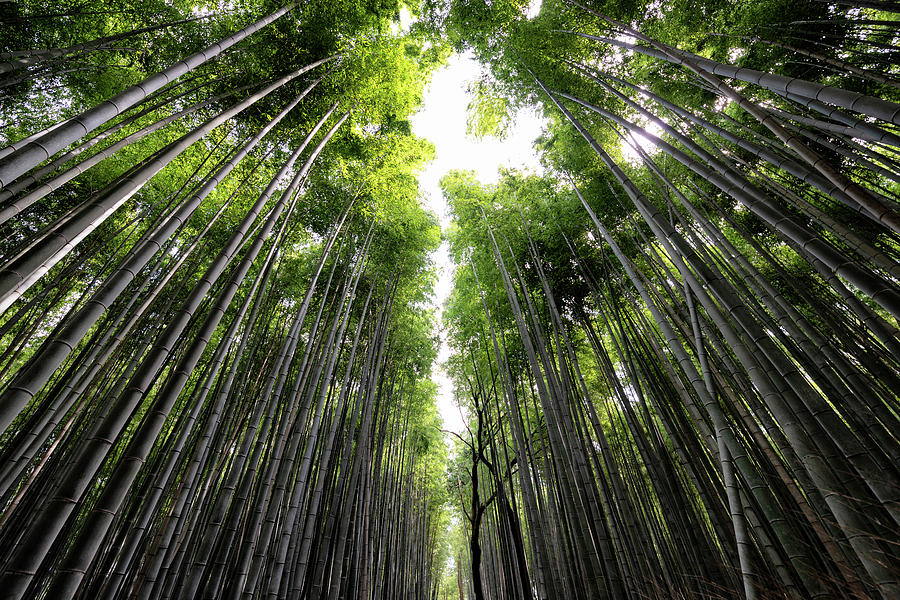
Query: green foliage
column 488, row 112
column 530, row 229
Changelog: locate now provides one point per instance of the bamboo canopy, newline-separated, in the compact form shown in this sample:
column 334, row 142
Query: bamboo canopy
column 676, row 346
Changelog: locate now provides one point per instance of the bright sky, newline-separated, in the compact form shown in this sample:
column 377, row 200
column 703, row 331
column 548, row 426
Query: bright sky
column 442, row 120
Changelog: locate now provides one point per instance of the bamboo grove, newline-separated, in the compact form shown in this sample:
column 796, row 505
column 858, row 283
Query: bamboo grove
column 677, row 346
column 215, row 377
column 683, row 382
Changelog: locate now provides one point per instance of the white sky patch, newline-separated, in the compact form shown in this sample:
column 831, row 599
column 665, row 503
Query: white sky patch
column 405, row 18
column 630, row 154
column 736, row 53
column 533, row 9
column 442, row 120
column 402, row 26
column 655, row 10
